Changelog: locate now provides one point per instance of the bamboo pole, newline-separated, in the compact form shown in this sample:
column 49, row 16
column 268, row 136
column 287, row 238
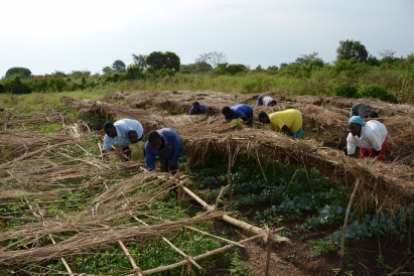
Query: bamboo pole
column 342, row 252
column 62, row 259
column 220, row 194
column 233, row 221
column 137, row 270
column 213, row 236
column 269, row 249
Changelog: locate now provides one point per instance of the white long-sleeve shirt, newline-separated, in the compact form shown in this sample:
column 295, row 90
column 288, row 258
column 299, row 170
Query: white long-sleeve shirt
column 122, row 128
column 373, row 135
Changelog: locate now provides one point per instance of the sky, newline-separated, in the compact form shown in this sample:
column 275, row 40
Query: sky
column 45, row 36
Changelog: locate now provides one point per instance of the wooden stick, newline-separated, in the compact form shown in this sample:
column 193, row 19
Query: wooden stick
column 269, row 249
column 213, row 236
column 233, row 221
column 184, row 255
column 163, row 268
column 137, row 270
column 220, row 194
column 62, row 259
column 342, row 252
column 229, row 176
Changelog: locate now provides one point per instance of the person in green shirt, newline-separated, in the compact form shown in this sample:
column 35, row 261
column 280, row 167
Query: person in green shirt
column 288, row 121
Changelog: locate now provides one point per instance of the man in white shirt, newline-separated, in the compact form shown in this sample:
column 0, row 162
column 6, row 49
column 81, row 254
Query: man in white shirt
column 371, row 137
column 118, row 133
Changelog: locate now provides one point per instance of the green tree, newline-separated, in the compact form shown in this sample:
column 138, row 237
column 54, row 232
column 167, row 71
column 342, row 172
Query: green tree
column 23, row 72
column 313, row 60
column 198, row 67
column 118, row 66
column 140, row 61
column 107, row 70
column 168, row 60
column 352, row 49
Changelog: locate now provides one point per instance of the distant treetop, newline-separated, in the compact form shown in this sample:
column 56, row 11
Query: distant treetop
column 23, row 72
column 352, row 49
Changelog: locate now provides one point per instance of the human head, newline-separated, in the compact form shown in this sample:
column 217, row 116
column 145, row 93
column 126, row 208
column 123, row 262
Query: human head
column 1, row 88
column 273, row 103
column 373, row 114
column 355, row 125
column 133, row 136
column 196, row 106
column 110, row 129
column 263, row 118
column 155, row 140
column 226, row 111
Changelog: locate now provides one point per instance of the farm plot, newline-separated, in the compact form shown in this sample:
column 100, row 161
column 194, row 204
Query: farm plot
column 65, row 210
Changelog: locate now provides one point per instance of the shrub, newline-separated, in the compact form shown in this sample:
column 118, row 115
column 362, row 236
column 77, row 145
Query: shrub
column 349, row 67
column 297, row 71
column 165, row 72
column 229, row 69
column 345, row 90
column 16, row 86
column 376, row 91
column 57, row 84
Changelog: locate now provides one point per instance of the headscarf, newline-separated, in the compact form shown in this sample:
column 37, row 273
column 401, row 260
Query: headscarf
column 357, row 120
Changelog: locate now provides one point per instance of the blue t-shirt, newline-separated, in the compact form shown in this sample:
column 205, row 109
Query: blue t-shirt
column 173, row 148
column 203, row 110
column 239, row 110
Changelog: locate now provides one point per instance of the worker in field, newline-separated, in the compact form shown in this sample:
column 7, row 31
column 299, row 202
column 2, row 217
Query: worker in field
column 363, row 111
column 242, row 111
column 1, row 91
column 371, row 137
column 265, row 100
column 167, row 146
column 136, row 146
column 288, row 122
column 118, row 134
column 199, row 109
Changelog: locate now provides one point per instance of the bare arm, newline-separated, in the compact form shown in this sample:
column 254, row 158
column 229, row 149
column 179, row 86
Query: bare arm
column 287, row 130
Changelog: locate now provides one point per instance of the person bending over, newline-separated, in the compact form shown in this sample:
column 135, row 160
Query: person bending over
column 371, row 137
column 363, row 111
column 118, row 133
column 166, row 144
column 265, row 100
column 199, row 109
column 242, row 111
column 288, row 122
column 136, row 146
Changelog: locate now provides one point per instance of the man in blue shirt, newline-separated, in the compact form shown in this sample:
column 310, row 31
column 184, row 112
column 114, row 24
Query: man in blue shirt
column 118, row 133
column 243, row 111
column 166, row 144
column 198, row 109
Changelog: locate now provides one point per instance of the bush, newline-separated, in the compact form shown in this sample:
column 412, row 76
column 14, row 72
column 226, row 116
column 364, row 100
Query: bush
column 349, row 67
column 57, row 84
column 376, row 91
column 345, row 90
column 297, row 71
column 164, row 73
column 16, row 86
column 229, row 69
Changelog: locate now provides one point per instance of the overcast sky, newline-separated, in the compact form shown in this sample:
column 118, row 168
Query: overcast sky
column 45, row 36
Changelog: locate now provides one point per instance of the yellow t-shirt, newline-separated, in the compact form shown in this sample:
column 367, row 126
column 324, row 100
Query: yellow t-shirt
column 292, row 118
column 137, row 151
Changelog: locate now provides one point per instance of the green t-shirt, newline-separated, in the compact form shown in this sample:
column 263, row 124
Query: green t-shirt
column 137, row 151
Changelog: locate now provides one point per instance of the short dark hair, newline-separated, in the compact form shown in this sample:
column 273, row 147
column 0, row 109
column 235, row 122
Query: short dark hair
column 272, row 103
column 108, row 126
column 373, row 114
column 153, row 136
column 225, row 110
column 262, row 115
column 132, row 132
column 196, row 103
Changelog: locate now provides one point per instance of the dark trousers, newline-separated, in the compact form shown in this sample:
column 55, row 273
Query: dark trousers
column 163, row 164
column 249, row 120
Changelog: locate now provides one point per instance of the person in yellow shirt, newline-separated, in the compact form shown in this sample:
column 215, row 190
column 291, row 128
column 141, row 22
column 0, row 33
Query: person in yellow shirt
column 136, row 147
column 288, row 121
